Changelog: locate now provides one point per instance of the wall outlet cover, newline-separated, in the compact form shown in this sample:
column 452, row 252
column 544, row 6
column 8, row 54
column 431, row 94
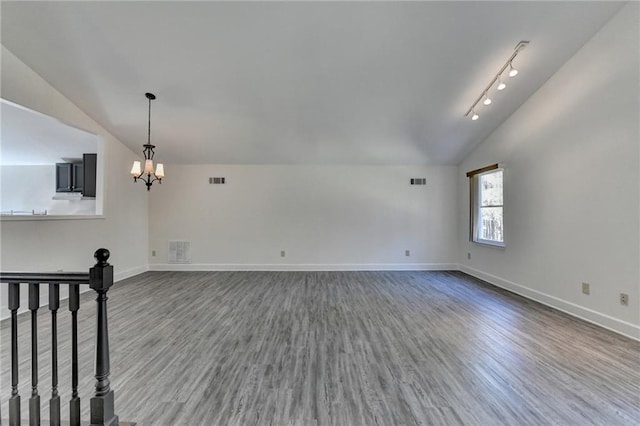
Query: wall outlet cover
column 624, row 299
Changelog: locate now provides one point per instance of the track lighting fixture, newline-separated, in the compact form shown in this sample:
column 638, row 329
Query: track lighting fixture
column 484, row 96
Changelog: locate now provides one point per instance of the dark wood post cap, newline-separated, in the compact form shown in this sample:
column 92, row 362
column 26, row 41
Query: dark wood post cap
column 102, row 255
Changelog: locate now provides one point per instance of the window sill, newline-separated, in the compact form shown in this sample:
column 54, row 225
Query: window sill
column 490, row 243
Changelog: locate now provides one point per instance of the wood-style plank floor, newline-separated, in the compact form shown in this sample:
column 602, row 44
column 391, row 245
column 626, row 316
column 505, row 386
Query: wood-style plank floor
column 340, row 348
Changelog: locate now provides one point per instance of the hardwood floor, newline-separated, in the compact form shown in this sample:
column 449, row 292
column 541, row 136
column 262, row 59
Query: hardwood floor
column 339, row 348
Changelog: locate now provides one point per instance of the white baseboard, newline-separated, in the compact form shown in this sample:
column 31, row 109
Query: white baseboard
column 600, row 319
column 622, row 327
column 305, row 267
column 128, row 273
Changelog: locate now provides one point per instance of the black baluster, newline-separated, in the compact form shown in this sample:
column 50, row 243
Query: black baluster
column 102, row 404
column 14, row 402
column 34, row 401
column 74, row 404
column 54, row 402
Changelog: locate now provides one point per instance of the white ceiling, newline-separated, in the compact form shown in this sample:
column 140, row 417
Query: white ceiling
column 29, row 138
column 297, row 82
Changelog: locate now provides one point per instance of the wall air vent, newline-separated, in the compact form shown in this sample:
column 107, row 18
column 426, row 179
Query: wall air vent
column 217, row 180
column 179, row 251
column 418, row 181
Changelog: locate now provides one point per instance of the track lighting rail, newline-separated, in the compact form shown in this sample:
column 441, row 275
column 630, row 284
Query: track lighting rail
column 497, row 78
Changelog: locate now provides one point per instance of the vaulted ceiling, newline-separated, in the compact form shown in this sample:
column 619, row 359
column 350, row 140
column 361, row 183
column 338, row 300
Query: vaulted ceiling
column 297, row 82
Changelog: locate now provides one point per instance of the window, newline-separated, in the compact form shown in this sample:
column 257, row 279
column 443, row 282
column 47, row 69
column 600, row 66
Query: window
column 487, row 216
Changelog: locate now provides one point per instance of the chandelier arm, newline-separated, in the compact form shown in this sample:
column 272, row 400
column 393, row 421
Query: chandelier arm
column 147, row 178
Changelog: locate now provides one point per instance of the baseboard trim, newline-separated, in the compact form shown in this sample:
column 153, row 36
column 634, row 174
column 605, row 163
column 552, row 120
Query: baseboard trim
column 128, row 273
column 610, row 323
column 305, row 267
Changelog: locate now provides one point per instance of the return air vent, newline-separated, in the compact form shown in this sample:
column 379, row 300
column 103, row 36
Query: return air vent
column 418, row 181
column 179, row 251
column 217, row 180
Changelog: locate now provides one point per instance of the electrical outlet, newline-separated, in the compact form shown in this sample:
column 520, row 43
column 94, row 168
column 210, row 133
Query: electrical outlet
column 585, row 288
column 407, row 253
column 468, row 255
column 153, row 253
column 281, row 253
column 624, row 299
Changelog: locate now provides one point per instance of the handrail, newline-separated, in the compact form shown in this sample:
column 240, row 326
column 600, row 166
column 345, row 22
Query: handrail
column 44, row 278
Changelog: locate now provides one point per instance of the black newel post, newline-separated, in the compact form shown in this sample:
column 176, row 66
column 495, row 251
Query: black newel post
column 102, row 404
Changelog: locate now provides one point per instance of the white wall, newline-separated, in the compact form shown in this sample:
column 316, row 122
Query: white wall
column 28, row 188
column 50, row 245
column 324, row 217
column 572, row 185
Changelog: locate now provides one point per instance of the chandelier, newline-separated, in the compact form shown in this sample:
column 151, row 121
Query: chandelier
column 148, row 176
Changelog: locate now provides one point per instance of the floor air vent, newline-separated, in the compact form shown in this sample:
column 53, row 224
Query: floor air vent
column 179, row 251
column 418, row 181
column 217, row 180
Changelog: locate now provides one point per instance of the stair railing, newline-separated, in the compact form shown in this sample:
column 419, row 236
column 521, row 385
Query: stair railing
column 100, row 279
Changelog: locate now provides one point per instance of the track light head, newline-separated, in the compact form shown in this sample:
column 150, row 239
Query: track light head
column 512, row 71
column 475, row 116
column 501, row 85
column 487, row 99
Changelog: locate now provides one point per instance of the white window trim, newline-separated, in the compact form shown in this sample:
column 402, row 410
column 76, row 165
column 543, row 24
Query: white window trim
column 491, row 243
column 475, row 210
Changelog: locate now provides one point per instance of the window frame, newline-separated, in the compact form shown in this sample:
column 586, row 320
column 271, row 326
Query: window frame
column 475, row 208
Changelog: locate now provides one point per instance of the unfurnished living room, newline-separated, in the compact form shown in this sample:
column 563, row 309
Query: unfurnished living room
column 320, row 213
